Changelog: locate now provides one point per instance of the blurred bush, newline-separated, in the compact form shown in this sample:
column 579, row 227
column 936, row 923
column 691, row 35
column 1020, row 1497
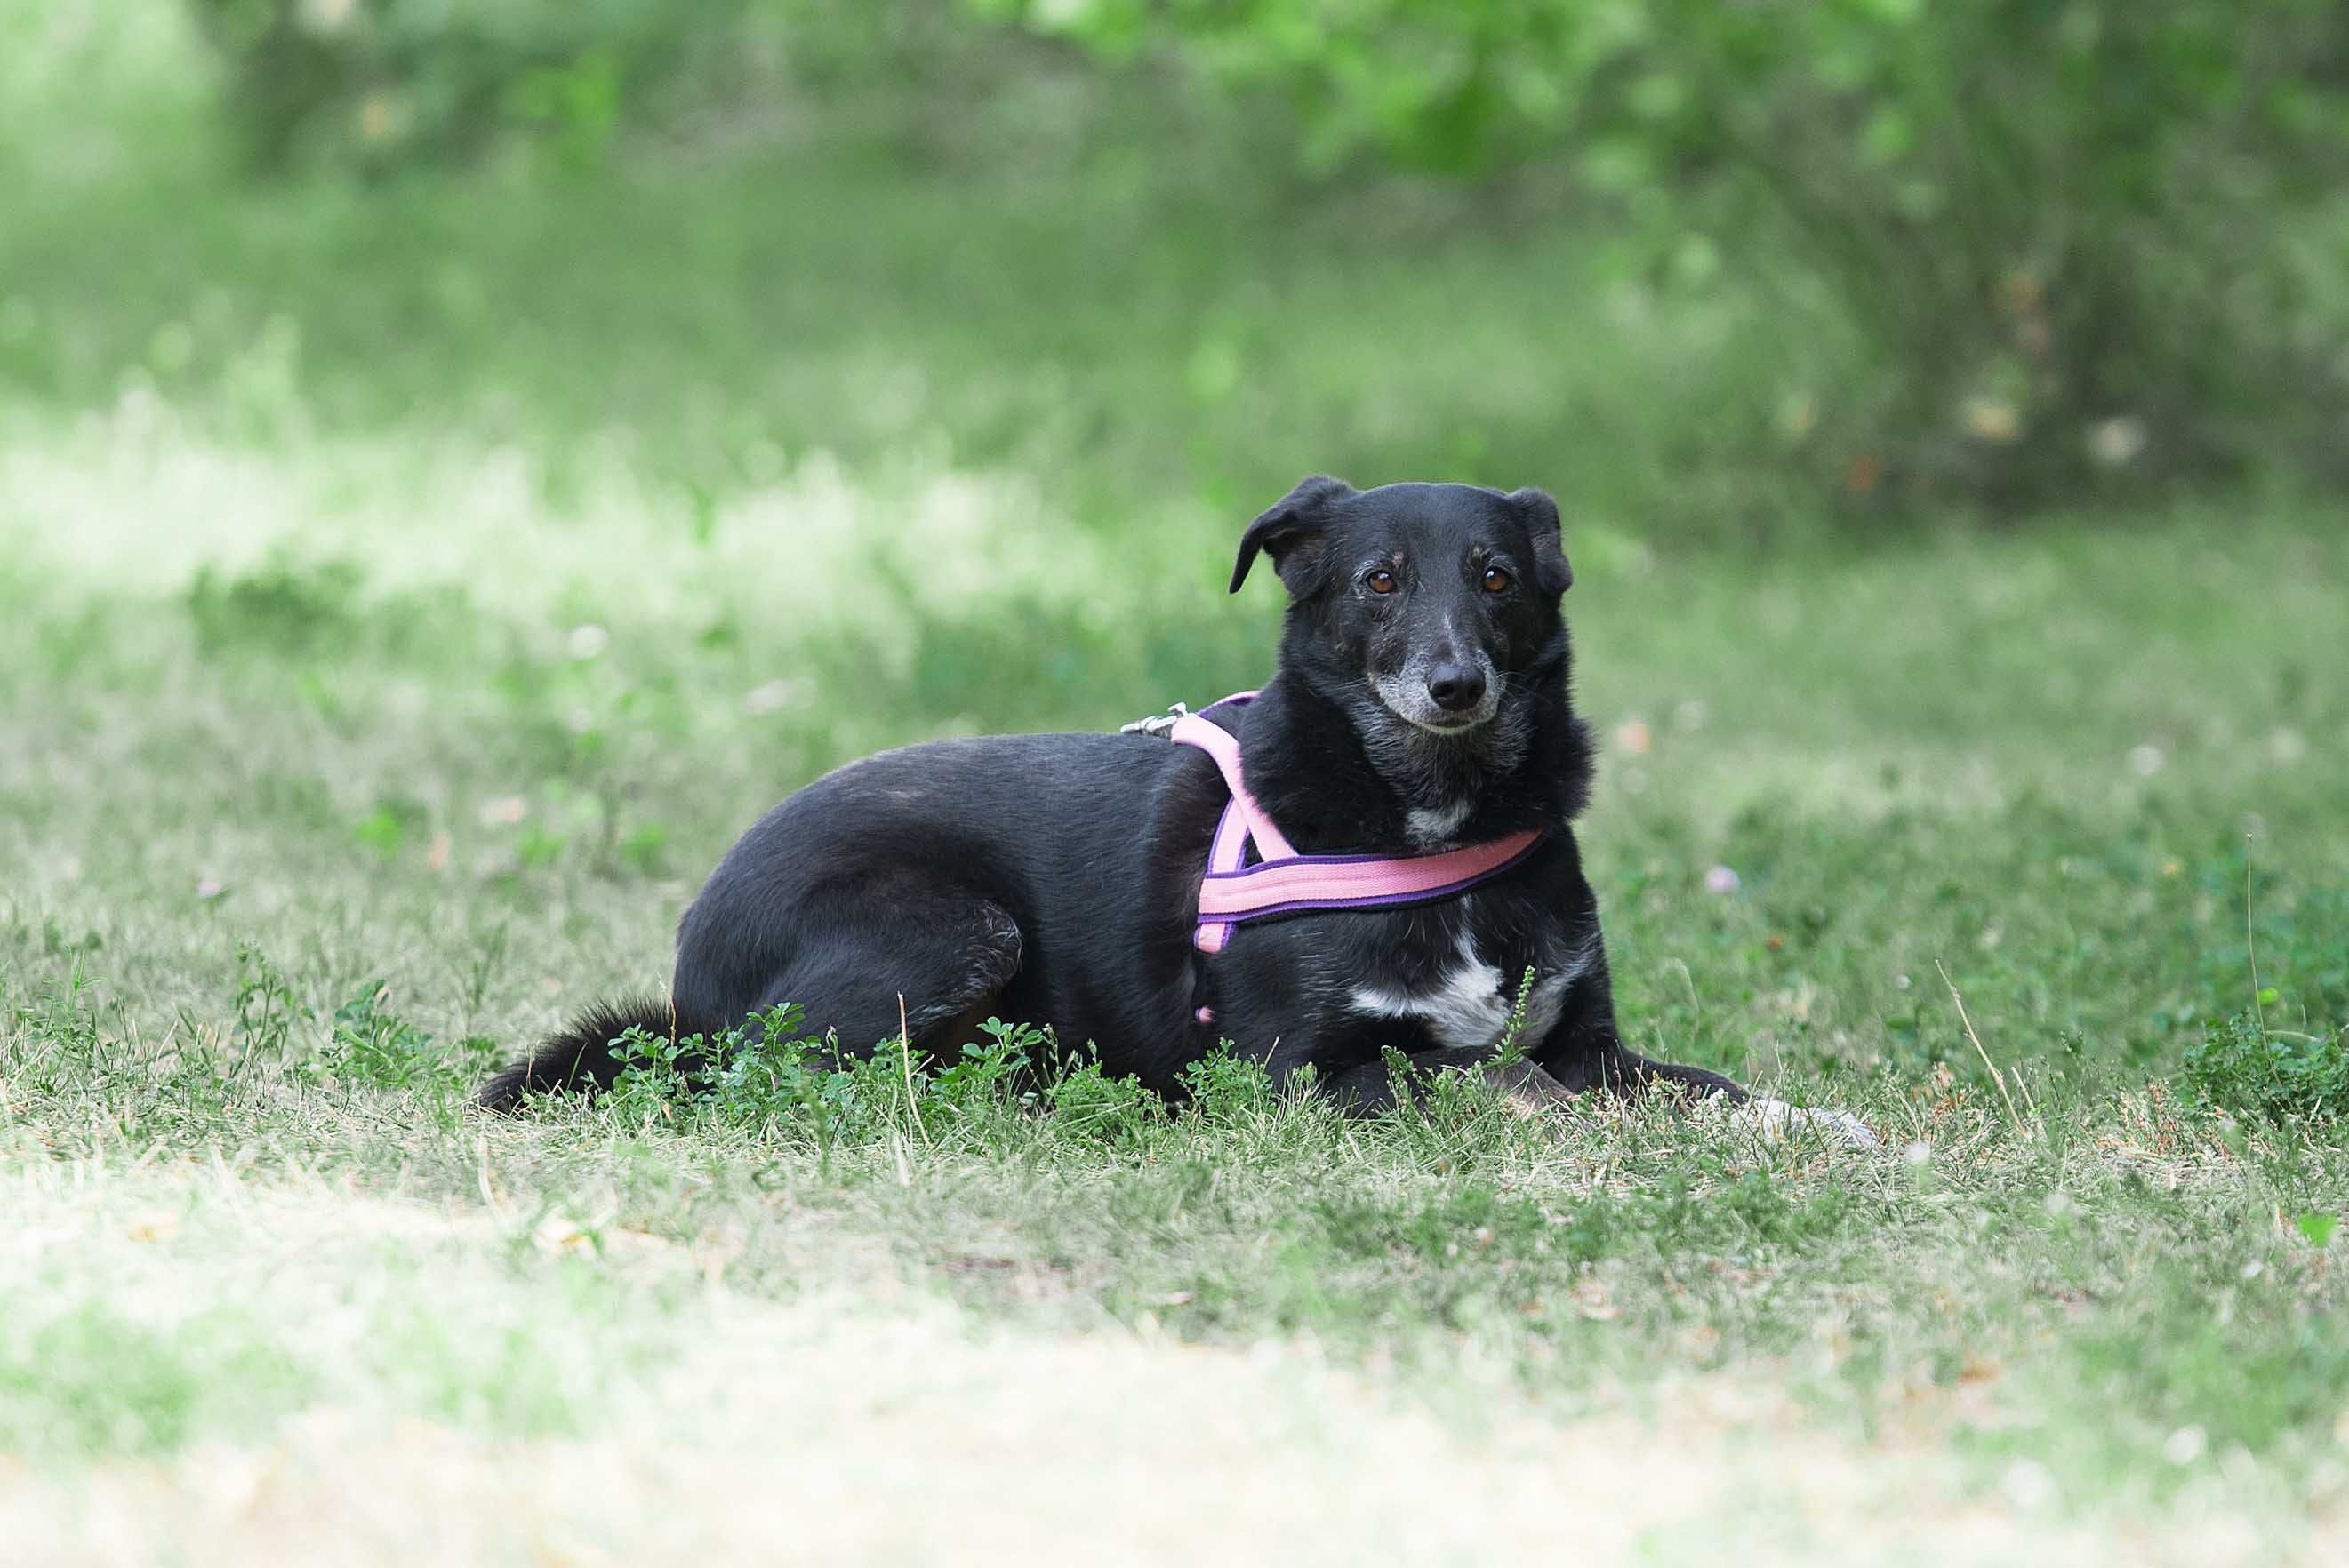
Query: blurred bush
column 2066, row 229
column 374, row 85
column 2080, row 243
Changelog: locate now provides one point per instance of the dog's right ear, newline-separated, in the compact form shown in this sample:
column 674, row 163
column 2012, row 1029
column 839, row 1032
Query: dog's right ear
column 1290, row 530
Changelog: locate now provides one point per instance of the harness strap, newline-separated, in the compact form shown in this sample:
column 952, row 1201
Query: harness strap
column 1353, row 882
column 1223, row 746
column 1283, row 881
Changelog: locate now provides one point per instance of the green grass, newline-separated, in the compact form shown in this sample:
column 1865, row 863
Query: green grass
column 406, row 594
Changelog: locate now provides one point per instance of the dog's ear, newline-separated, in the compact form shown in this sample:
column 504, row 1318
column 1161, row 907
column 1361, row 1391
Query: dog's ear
column 1290, row 530
column 1552, row 574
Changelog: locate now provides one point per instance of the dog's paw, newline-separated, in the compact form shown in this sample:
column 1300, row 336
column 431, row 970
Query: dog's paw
column 1527, row 1091
column 1776, row 1119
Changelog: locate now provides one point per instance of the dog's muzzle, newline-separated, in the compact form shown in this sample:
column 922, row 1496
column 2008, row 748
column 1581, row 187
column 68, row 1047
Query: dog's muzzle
column 1445, row 698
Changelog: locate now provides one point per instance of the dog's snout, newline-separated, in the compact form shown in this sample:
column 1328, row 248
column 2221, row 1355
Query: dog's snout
column 1455, row 687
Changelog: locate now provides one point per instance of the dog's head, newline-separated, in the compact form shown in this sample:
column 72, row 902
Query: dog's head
column 1440, row 601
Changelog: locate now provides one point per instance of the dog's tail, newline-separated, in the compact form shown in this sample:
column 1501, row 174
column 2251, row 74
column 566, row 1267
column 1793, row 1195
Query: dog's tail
column 579, row 1057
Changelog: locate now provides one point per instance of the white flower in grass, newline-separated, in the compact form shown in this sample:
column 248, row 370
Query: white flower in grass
column 328, row 18
column 2118, row 442
column 775, row 694
column 2028, row 1484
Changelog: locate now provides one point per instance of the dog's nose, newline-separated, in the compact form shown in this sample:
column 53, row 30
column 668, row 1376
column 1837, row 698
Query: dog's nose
column 1456, row 688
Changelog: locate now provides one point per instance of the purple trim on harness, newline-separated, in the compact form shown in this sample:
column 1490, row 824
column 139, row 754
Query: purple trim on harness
column 1355, row 860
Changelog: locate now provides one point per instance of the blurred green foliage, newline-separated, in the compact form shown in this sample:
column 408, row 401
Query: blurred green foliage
column 374, row 85
column 2057, row 223
column 2085, row 245
column 378, row 82
column 2244, row 1068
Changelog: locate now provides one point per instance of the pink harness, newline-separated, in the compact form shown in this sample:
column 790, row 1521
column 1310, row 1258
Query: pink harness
column 1283, row 881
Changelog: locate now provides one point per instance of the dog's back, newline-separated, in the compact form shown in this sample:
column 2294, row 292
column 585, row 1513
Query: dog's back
column 1048, row 877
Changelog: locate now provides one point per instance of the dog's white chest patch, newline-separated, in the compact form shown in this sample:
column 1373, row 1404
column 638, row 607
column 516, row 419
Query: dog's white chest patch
column 1428, row 825
column 1465, row 1008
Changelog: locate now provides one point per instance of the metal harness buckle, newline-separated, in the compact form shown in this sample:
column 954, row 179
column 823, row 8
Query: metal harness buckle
column 1162, row 727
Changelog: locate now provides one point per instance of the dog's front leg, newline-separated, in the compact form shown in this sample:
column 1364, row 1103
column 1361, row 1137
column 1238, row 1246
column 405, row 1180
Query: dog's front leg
column 1584, row 1051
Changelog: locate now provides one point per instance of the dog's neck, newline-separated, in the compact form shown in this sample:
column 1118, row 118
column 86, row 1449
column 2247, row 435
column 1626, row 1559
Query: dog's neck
column 1342, row 775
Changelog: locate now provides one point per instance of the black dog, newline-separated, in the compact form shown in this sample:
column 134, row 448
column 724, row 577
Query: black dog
column 1420, row 702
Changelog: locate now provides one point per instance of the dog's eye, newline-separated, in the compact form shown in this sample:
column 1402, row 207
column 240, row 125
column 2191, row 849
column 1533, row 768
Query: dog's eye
column 1496, row 581
column 1381, row 581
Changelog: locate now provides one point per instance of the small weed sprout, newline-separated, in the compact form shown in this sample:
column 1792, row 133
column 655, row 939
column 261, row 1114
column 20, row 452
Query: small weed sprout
column 1225, row 1086
column 989, row 1073
column 1399, row 1074
column 370, row 1044
column 2256, row 1074
column 1513, row 1049
column 1088, row 1106
column 266, row 1007
column 2243, row 1068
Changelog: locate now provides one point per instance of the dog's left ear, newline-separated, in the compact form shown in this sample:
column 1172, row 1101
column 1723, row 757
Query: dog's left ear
column 1552, row 574
column 1291, row 529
